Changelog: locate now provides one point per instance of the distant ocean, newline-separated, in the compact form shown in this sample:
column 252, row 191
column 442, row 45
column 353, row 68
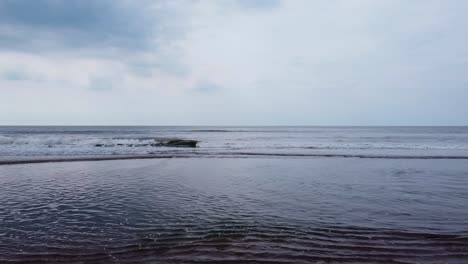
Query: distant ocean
column 243, row 195
column 50, row 143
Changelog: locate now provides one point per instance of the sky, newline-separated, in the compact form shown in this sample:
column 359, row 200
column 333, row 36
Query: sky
column 233, row 62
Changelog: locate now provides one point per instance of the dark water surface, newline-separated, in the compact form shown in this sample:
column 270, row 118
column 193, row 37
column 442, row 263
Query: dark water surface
column 235, row 210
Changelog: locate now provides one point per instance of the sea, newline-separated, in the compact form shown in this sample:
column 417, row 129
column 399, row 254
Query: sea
column 29, row 143
column 88, row 194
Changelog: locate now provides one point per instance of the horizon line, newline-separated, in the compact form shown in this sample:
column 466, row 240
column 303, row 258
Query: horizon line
column 105, row 125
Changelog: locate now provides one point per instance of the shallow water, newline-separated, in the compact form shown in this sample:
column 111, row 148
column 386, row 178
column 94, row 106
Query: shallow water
column 235, row 210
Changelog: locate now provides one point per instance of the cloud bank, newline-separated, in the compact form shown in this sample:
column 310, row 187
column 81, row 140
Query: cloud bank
column 233, row 62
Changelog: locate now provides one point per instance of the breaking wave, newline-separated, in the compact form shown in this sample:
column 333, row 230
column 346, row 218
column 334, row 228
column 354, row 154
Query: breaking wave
column 21, row 144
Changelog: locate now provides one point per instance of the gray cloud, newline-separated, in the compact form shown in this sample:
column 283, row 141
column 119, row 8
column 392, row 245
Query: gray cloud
column 258, row 4
column 39, row 24
column 18, row 74
column 207, row 87
column 100, row 84
column 15, row 75
column 292, row 62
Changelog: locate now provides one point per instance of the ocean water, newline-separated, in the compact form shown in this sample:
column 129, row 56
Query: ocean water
column 26, row 143
column 244, row 195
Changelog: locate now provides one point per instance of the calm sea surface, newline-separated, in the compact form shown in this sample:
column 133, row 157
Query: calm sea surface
column 244, row 195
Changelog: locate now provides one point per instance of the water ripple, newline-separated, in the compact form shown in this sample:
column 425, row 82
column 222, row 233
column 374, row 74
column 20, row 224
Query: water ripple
column 235, row 211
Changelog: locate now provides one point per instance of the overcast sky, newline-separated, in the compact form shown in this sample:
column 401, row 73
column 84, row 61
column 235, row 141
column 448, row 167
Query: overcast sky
column 233, row 62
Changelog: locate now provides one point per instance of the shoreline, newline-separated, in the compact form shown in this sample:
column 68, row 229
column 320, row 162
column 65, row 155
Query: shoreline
column 224, row 155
